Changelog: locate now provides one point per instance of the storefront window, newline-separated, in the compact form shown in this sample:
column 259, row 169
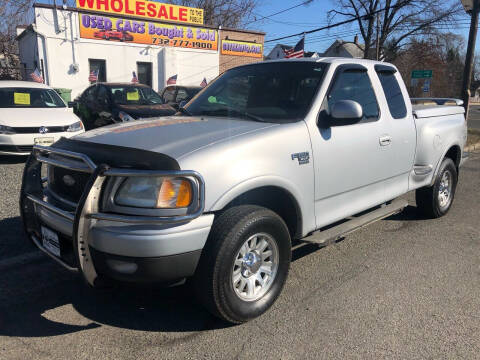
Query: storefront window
column 144, row 70
column 100, row 65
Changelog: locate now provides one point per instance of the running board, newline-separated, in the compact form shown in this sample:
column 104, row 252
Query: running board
column 331, row 235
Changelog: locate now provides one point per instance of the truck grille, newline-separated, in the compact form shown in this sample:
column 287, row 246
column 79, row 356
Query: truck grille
column 67, row 184
column 36, row 130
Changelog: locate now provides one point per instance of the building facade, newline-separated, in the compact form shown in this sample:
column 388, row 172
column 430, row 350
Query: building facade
column 67, row 44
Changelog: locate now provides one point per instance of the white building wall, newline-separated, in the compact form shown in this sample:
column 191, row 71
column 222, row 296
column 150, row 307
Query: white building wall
column 66, row 48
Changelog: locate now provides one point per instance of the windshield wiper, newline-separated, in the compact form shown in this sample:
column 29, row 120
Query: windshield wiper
column 234, row 113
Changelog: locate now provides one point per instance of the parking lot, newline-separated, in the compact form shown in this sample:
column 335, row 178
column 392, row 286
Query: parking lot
column 401, row 288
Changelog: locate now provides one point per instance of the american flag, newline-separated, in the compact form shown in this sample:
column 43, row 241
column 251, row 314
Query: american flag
column 36, row 76
column 172, row 80
column 93, row 77
column 135, row 78
column 204, row 82
column 297, row 51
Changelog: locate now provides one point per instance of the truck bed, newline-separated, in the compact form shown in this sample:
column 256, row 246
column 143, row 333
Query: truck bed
column 434, row 107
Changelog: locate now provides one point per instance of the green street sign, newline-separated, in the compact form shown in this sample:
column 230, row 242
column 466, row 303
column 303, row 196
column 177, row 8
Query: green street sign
column 422, row 74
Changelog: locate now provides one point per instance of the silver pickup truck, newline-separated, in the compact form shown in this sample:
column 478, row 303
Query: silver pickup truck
column 267, row 154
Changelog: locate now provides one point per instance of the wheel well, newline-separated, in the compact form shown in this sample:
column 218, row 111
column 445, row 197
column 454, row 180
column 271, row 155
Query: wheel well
column 455, row 154
column 279, row 201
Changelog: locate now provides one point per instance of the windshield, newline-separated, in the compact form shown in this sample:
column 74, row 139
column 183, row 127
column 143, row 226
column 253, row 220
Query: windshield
column 135, row 95
column 271, row 92
column 29, row 98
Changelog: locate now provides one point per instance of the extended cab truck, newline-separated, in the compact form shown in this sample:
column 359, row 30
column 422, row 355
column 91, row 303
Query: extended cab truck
column 266, row 154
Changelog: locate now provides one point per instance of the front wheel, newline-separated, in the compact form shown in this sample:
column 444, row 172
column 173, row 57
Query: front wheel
column 436, row 201
column 245, row 263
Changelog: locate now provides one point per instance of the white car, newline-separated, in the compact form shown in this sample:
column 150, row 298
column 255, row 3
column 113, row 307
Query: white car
column 33, row 114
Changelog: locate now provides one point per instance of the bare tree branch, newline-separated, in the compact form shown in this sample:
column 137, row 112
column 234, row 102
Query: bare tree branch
column 400, row 19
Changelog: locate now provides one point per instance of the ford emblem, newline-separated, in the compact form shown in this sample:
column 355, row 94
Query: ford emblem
column 43, row 130
column 68, row 180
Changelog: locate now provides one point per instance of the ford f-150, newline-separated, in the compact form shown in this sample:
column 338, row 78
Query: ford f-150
column 267, row 154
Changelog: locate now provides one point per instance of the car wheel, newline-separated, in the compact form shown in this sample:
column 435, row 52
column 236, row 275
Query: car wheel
column 244, row 264
column 435, row 201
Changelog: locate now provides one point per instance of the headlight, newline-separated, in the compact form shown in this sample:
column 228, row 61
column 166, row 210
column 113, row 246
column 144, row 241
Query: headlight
column 6, row 130
column 75, row 127
column 155, row 193
column 125, row 117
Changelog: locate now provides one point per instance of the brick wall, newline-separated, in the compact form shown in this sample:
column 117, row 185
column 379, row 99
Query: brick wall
column 230, row 61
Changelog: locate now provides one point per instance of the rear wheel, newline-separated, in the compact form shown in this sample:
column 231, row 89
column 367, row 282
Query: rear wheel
column 244, row 264
column 436, row 201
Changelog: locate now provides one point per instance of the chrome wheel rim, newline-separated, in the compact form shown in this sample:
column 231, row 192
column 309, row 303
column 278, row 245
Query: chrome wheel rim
column 255, row 267
column 445, row 190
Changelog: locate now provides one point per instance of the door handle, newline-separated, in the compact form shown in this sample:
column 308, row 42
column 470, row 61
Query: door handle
column 385, row 140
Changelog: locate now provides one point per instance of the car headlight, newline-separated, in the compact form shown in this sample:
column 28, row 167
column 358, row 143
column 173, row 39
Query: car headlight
column 6, row 130
column 75, row 127
column 125, row 117
column 155, row 193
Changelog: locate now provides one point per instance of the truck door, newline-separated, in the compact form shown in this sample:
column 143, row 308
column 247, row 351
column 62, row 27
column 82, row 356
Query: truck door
column 402, row 133
column 352, row 161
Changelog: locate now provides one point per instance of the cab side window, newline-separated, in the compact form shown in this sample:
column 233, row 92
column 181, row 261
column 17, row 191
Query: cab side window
column 393, row 94
column 169, row 95
column 182, row 95
column 103, row 97
column 354, row 85
column 89, row 94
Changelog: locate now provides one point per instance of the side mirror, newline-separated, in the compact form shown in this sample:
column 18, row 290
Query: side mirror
column 182, row 103
column 71, row 104
column 346, row 112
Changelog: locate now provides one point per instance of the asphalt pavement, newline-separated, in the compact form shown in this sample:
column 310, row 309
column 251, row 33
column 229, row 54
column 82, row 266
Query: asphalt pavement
column 402, row 288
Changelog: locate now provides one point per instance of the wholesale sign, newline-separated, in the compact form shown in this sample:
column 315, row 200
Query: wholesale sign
column 145, row 9
column 241, row 48
column 142, row 32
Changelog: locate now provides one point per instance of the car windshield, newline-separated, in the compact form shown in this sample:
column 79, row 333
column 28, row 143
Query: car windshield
column 29, row 98
column 272, row 92
column 135, row 95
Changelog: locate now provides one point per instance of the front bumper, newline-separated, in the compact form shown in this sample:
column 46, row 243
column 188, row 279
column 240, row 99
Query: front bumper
column 130, row 248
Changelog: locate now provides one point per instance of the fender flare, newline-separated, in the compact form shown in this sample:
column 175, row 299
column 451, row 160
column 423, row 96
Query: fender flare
column 255, row 183
column 439, row 162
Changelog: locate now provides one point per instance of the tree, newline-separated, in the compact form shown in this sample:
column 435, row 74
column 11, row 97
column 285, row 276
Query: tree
column 12, row 13
column 396, row 20
column 227, row 13
column 441, row 53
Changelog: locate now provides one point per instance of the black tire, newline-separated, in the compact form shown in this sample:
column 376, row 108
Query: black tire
column 428, row 202
column 213, row 279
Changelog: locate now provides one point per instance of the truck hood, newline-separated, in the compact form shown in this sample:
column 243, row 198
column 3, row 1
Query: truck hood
column 36, row 117
column 175, row 136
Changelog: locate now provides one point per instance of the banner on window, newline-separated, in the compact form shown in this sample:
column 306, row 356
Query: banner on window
column 115, row 29
column 242, row 48
column 145, row 9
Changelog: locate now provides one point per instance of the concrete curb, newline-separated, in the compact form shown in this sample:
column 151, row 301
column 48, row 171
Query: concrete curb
column 473, row 147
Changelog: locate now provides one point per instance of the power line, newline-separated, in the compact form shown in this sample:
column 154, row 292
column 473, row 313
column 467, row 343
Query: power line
column 356, row 18
column 280, row 12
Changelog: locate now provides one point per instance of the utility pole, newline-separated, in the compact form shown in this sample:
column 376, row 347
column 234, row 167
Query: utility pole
column 473, row 9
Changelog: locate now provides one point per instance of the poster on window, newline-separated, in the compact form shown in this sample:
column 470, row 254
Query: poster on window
column 120, row 30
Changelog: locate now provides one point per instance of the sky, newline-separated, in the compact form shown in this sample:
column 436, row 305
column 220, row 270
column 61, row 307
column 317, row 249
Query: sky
column 308, row 17
column 314, row 16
